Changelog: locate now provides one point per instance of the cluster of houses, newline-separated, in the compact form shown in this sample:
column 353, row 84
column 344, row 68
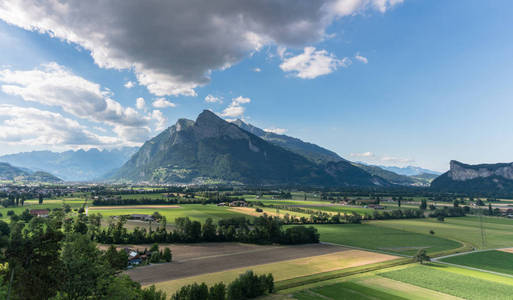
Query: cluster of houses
column 135, row 257
column 238, row 203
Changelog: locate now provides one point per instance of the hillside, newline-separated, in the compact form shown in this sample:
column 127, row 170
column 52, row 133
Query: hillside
column 482, row 178
column 211, row 150
column 320, row 155
column 11, row 173
column 311, row 151
column 70, row 165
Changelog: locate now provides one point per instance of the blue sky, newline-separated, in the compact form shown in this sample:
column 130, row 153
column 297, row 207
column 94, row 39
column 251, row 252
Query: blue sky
column 413, row 82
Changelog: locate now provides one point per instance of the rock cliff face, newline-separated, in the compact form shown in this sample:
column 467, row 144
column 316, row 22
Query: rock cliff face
column 462, row 172
column 483, row 178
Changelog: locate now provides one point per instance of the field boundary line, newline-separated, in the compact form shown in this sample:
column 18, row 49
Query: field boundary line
column 369, row 250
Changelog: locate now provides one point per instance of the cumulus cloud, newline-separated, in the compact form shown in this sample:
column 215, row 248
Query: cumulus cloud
column 173, row 46
column 235, row 109
column 276, row 130
column 313, row 63
column 360, row 58
column 163, row 103
column 129, row 84
column 160, row 119
column 32, row 126
column 213, row 99
column 54, row 85
column 140, row 103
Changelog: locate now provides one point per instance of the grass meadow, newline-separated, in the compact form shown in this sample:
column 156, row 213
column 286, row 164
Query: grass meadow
column 381, row 238
column 493, row 260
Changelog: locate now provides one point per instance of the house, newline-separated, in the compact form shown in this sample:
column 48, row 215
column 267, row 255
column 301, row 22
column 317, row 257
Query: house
column 42, row 213
column 142, row 217
column 238, row 203
column 221, row 204
column 375, row 206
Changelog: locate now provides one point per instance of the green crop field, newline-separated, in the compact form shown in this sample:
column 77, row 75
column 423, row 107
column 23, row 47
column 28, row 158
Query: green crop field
column 493, row 260
column 460, row 285
column 343, row 291
column 382, row 238
column 497, row 231
column 196, row 212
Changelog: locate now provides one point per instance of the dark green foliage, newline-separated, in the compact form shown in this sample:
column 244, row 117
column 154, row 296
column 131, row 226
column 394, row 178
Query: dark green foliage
column 217, row 292
column 300, row 235
column 167, row 255
column 192, row 292
column 249, row 285
column 422, row 256
column 423, row 204
column 117, row 260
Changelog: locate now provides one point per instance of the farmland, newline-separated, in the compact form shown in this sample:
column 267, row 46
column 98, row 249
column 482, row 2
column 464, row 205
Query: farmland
column 309, row 262
column 380, row 238
column 493, row 260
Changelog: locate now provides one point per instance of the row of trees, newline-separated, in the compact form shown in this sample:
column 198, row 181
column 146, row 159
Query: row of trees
column 247, row 286
column 263, row 230
column 118, row 200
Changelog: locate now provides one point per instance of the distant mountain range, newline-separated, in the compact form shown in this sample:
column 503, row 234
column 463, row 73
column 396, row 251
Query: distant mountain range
column 482, row 178
column 11, row 173
column 408, row 171
column 212, row 150
column 70, row 165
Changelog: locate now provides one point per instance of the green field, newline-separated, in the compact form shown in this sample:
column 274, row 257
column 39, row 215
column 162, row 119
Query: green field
column 493, row 260
column 197, row 212
column 343, row 291
column 497, row 231
column 460, row 285
column 370, row 236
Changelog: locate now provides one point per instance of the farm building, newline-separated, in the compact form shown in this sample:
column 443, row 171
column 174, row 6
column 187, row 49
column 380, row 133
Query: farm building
column 238, row 203
column 42, row 213
column 142, row 217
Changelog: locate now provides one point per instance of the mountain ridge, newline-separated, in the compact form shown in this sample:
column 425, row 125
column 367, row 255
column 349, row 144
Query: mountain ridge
column 211, row 150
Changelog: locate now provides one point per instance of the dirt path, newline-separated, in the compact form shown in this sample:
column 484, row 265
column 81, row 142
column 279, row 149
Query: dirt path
column 192, row 260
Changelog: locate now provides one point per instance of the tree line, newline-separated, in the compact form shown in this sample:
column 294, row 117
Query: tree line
column 262, row 230
column 246, row 286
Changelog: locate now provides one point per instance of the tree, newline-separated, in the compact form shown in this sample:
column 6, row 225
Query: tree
column 83, row 268
column 33, row 256
column 117, row 260
column 422, row 256
column 208, row 231
column 423, row 204
column 399, row 203
column 217, row 292
column 441, row 217
column 167, row 256
column 40, row 198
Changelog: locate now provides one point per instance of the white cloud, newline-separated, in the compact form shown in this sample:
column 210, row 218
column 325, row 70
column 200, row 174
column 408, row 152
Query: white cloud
column 54, row 85
column 257, row 70
column 160, row 119
column 163, row 103
column 32, row 126
column 372, row 158
column 140, row 103
column 129, row 84
column 235, row 109
column 364, row 154
column 276, row 130
column 178, row 45
column 360, row 58
column 313, row 63
column 213, row 99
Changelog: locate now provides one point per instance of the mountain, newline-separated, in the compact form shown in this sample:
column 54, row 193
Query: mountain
column 311, row 151
column 211, row 150
column 11, row 173
column 321, row 155
column 70, row 165
column 388, row 175
column 409, row 170
column 483, row 178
